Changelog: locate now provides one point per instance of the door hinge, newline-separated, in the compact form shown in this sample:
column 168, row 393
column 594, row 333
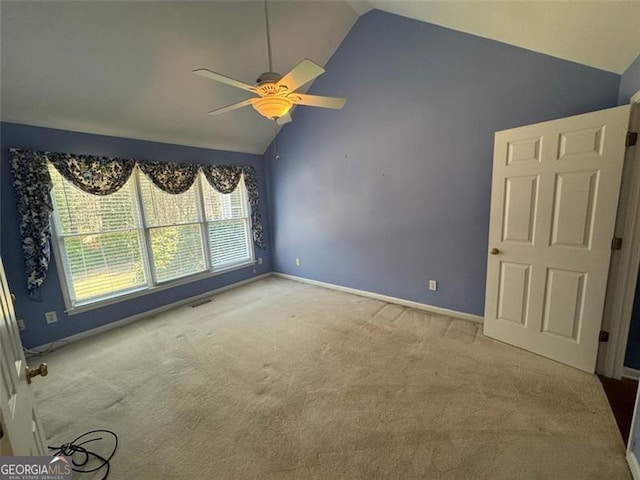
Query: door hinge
column 632, row 139
column 616, row 243
column 604, row 336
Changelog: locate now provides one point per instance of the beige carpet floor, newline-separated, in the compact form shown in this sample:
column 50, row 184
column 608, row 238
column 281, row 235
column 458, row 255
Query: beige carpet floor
column 282, row 380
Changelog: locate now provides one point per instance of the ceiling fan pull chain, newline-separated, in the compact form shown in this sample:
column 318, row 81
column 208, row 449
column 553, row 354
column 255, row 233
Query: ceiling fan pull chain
column 266, row 18
column 276, row 155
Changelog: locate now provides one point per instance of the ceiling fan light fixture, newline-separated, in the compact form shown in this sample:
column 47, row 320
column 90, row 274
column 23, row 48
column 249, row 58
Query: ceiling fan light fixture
column 273, row 107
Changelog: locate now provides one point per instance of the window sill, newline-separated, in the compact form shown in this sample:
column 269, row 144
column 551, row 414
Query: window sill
column 85, row 307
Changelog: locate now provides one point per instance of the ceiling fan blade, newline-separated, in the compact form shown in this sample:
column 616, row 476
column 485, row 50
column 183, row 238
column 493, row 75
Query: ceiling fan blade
column 318, row 101
column 302, row 73
column 203, row 72
column 233, row 106
column 286, row 118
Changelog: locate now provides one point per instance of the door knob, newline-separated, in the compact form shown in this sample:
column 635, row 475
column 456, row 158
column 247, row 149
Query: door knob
column 42, row 370
column 494, row 251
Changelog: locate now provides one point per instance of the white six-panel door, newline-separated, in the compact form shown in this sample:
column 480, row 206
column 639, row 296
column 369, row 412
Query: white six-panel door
column 553, row 209
column 21, row 430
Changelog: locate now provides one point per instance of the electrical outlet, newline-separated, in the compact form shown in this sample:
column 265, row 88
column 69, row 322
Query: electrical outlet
column 51, row 317
column 297, row 262
column 433, row 285
column 21, row 326
column 259, row 260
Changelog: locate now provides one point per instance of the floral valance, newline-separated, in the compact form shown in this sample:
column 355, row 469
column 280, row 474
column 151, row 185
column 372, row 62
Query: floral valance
column 171, row 177
column 95, row 175
column 222, row 177
column 103, row 176
column 32, row 184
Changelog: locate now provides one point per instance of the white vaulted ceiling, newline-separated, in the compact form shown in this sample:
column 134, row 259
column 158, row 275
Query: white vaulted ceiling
column 601, row 34
column 124, row 68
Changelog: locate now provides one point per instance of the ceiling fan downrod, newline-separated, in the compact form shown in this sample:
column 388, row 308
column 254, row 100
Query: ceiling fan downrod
column 266, row 18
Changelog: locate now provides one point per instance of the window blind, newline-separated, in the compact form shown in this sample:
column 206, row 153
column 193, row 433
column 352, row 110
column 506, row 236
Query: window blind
column 100, row 239
column 176, row 235
column 227, row 225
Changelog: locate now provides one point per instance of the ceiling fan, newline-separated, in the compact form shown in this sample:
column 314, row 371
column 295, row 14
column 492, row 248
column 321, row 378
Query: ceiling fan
column 276, row 94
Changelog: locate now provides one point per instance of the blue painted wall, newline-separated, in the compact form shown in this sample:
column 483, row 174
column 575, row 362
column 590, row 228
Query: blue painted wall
column 37, row 331
column 629, row 82
column 394, row 190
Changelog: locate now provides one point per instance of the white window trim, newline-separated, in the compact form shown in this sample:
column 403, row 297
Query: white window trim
column 153, row 286
column 80, row 308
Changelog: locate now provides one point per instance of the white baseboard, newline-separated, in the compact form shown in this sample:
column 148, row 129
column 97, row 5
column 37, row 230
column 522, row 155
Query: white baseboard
column 155, row 311
column 632, row 373
column 632, row 461
column 387, row 298
column 169, row 306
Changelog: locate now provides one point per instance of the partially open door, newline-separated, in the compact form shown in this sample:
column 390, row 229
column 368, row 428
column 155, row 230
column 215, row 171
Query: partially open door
column 553, row 209
column 21, row 429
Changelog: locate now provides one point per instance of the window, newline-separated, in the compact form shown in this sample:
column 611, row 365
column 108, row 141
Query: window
column 140, row 237
column 228, row 226
column 174, row 229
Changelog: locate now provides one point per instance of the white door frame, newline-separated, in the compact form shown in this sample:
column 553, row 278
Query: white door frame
column 632, row 461
column 625, row 265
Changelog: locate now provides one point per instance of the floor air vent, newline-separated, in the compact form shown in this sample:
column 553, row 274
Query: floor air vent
column 201, row 302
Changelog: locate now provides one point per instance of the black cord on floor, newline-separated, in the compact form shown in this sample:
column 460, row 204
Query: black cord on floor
column 80, row 456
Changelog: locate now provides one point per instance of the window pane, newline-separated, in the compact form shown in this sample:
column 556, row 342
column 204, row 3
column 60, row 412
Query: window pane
column 177, row 251
column 101, row 265
column 229, row 240
column 218, row 206
column 81, row 212
column 161, row 208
